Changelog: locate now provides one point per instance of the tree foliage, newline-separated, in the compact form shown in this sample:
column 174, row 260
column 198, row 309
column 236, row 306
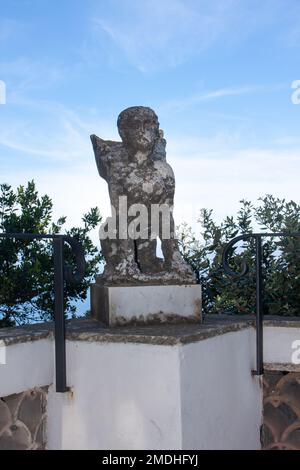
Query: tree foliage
column 281, row 261
column 26, row 267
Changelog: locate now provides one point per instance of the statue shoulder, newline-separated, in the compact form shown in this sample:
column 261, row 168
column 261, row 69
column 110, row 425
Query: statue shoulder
column 159, row 151
column 160, row 158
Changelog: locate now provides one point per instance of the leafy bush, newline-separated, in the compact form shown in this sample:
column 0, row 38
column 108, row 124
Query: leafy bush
column 281, row 262
column 26, row 267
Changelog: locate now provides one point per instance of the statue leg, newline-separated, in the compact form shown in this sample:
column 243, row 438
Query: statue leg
column 146, row 256
column 174, row 261
column 120, row 260
column 169, row 246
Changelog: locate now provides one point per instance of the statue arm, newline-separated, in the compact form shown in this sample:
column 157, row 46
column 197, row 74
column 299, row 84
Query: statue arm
column 101, row 151
column 159, row 151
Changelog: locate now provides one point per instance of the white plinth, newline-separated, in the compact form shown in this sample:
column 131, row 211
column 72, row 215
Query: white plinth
column 128, row 395
column 146, row 304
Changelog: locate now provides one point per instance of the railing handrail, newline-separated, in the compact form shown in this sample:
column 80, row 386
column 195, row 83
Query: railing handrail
column 62, row 273
column 259, row 281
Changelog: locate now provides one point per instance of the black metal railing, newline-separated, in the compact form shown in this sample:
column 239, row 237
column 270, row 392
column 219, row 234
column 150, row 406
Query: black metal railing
column 259, row 282
column 62, row 273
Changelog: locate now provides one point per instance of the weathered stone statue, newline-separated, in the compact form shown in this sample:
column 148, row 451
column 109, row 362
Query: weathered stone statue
column 139, row 181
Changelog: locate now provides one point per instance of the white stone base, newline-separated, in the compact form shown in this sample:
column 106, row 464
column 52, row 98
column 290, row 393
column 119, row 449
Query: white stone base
column 128, row 396
column 146, row 304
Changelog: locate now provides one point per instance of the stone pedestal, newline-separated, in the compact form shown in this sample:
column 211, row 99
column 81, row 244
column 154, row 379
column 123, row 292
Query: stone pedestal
column 146, row 304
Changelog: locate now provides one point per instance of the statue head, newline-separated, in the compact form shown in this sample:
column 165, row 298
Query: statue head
column 138, row 128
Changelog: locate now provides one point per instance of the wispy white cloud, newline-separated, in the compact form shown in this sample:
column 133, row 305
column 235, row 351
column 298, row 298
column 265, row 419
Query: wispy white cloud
column 200, row 97
column 180, row 104
column 245, row 173
column 287, row 141
column 53, row 131
column 58, row 155
column 154, row 34
column 24, row 74
column 214, row 173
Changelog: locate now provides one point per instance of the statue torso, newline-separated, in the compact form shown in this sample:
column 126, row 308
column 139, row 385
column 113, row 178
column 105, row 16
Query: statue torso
column 144, row 181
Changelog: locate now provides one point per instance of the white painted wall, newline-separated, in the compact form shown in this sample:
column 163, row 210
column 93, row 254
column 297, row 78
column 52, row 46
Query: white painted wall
column 221, row 401
column 28, row 365
column 125, row 396
column 278, row 343
column 146, row 396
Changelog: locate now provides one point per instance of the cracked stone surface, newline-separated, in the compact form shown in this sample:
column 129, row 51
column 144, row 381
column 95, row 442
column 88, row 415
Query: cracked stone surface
column 137, row 168
column 91, row 330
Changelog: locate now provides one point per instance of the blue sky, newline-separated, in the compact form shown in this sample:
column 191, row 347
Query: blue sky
column 218, row 74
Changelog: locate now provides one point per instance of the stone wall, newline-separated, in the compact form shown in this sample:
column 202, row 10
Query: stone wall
column 281, row 415
column 23, row 419
column 156, row 387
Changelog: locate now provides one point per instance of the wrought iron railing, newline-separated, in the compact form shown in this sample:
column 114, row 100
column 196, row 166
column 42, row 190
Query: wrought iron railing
column 62, row 273
column 260, row 306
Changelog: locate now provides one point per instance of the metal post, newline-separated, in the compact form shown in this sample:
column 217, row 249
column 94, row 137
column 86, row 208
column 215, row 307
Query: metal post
column 259, row 308
column 59, row 324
